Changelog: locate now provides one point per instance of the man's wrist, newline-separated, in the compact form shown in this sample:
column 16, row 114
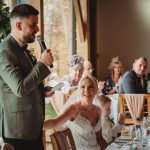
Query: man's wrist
column 48, row 66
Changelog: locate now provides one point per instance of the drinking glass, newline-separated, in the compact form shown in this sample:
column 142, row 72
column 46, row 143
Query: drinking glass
column 132, row 134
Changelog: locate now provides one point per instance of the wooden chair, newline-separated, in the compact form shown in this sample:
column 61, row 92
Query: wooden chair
column 124, row 109
column 62, row 140
column 44, row 139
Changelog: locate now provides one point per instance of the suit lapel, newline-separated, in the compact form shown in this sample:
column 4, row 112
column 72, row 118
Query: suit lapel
column 24, row 59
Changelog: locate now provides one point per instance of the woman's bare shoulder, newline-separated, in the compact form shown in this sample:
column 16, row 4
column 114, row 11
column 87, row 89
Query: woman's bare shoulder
column 73, row 111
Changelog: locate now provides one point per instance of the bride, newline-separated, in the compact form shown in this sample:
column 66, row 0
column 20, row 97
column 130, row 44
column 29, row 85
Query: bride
column 83, row 118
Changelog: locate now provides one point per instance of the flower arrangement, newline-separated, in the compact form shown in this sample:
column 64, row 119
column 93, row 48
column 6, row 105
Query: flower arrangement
column 4, row 20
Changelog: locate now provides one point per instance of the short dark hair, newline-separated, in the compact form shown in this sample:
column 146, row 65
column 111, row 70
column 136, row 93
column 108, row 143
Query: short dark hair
column 141, row 57
column 23, row 10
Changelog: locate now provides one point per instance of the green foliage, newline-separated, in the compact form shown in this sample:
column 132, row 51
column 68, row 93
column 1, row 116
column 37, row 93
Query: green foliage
column 49, row 111
column 4, row 20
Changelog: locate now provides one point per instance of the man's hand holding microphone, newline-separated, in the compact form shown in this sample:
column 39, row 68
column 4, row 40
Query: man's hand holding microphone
column 47, row 59
column 46, row 56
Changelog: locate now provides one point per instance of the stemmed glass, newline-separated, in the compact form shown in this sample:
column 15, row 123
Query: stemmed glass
column 141, row 132
column 132, row 134
column 148, row 126
column 146, row 129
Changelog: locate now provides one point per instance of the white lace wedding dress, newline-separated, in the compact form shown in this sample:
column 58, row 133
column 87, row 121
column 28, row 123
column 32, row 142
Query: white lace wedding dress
column 84, row 133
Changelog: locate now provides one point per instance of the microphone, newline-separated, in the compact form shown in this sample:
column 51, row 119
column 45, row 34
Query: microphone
column 42, row 45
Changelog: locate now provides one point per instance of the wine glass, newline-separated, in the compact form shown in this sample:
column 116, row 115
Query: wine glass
column 148, row 125
column 132, row 134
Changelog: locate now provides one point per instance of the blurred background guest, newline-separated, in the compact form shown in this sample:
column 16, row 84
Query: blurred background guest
column 75, row 73
column 88, row 68
column 88, row 71
column 112, row 83
column 134, row 81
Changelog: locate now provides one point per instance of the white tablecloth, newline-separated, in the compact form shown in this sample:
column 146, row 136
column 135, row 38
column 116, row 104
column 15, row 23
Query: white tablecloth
column 124, row 143
column 114, row 106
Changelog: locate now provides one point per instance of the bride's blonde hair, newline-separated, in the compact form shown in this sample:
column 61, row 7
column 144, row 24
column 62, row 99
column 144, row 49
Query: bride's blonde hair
column 90, row 77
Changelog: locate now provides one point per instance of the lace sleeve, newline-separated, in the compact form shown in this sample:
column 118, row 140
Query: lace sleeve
column 107, row 133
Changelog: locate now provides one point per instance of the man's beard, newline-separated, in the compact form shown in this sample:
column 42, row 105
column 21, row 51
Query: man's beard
column 30, row 39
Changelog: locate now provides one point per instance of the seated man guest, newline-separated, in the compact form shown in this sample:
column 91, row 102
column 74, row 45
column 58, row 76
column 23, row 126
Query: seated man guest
column 133, row 81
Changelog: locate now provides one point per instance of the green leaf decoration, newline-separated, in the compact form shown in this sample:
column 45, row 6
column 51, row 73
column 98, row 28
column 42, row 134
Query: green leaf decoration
column 4, row 20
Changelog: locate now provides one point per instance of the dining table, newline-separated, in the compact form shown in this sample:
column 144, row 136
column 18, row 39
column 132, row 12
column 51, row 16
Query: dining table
column 125, row 142
column 114, row 106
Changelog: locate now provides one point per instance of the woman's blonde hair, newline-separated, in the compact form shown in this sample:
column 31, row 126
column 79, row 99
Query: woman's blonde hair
column 115, row 60
column 89, row 77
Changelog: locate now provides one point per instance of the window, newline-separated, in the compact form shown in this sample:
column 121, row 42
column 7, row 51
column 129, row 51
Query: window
column 57, row 31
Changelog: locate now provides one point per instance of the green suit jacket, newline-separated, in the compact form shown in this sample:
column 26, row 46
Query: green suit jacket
column 21, row 93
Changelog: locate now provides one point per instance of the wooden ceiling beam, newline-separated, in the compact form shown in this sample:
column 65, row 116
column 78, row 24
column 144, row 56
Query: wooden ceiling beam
column 79, row 18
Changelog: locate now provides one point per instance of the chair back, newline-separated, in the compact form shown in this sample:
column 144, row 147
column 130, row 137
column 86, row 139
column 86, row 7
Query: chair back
column 63, row 140
column 124, row 107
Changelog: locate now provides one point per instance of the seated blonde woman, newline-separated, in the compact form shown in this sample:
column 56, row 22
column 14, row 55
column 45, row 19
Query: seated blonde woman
column 75, row 73
column 112, row 83
column 111, row 129
column 84, row 119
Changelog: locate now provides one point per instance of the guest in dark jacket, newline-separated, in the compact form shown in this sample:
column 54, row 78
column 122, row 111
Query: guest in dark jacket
column 133, row 81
